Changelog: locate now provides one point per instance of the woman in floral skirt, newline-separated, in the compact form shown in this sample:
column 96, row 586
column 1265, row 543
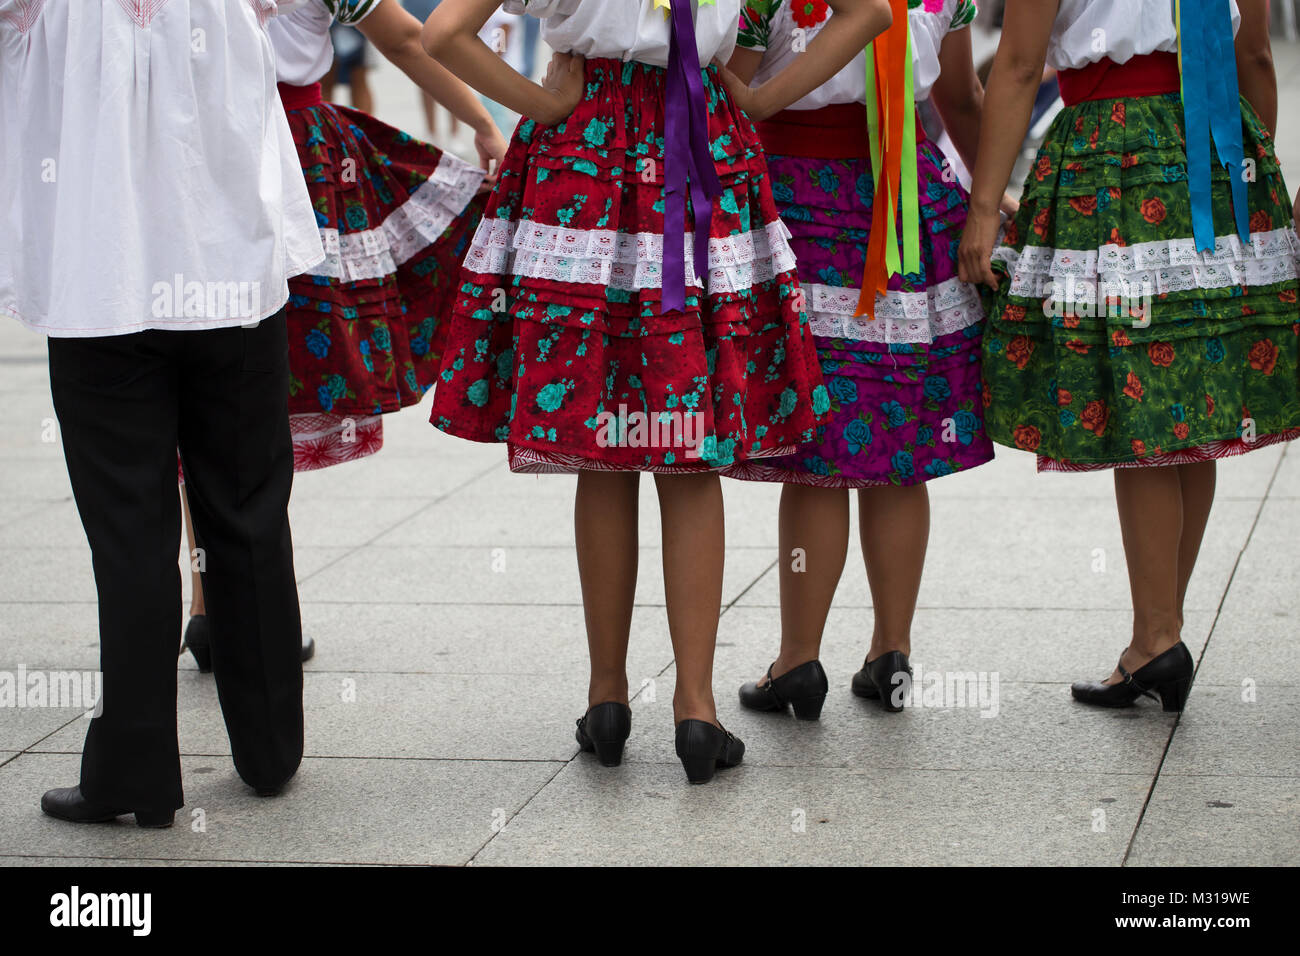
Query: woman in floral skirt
column 1145, row 317
column 904, row 381
column 630, row 303
column 395, row 215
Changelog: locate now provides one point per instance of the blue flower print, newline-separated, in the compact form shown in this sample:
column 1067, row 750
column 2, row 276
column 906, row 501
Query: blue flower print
column 318, row 343
column 844, row 390
column 895, row 413
column 937, row 388
column 858, row 436
column 966, row 423
column 902, row 464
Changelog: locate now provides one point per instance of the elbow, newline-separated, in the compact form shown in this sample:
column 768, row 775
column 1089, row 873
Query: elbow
column 434, row 42
column 1020, row 72
column 1258, row 60
column 883, row 13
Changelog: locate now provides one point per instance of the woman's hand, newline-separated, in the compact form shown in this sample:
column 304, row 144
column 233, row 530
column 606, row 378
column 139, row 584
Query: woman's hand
column 563, row 85
column 741, row 93
column 1009, row 206
column 491, row 146
column 975, row 258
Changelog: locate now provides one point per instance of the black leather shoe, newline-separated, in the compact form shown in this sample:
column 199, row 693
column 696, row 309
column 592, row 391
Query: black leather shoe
column 198, row 640
column 704, row 747
column 803, row 688
column 67, row 803
column 880, row 680
column 604, row 729
column 1168, row 674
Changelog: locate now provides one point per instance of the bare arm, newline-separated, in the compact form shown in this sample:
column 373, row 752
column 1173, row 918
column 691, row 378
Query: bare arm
column 1256, row 75
column 396, row 34
column 451, row 37
column 1013, row 86
column 744, row 63
column 959, row 96
column 855, row 24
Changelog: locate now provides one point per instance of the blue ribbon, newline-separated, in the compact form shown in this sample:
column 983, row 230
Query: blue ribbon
column 1212, row 112
column 687, row 153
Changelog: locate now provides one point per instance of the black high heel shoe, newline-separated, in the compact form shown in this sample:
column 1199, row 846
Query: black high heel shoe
column 704, row 747
column 68, row 803
column 803, row 688
column 198, row 641
column 1168, row 674
column 878, row 680
column 604, row 729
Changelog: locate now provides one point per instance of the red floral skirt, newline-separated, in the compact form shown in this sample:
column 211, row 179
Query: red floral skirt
column 365, row 331
column 559, row 344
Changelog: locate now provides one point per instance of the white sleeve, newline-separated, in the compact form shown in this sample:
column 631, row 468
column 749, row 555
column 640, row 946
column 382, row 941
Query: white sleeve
column 542, row 8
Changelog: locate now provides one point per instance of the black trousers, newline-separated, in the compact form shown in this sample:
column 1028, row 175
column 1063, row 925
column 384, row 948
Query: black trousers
column 125, row 404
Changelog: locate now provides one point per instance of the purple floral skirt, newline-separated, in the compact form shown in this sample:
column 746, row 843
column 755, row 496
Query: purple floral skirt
column 905, row 390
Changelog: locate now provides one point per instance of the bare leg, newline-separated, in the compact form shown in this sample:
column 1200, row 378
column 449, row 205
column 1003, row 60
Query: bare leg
column 1197, row 482
column 362, row 99
column 430, row 112
column 814, row 544
column 605, row 529
column 694, row 542
column 327, row 83
column 197, row 608
column 894, row 525
column 1150, row 502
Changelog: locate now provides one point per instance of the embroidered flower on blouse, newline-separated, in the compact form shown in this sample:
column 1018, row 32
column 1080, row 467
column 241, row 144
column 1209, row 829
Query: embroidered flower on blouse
column 809, row 13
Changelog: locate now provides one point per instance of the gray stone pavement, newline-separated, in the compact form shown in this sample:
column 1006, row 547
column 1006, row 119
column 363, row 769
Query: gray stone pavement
column 443, row 594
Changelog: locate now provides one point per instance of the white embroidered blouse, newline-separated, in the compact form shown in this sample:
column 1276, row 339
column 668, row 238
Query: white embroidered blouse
column 782, row 29
column 148, row 179
column 1089, row 30
column 629, row 29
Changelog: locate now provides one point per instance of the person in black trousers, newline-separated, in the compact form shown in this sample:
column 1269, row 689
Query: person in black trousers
column 151, row 235
column 124, row 404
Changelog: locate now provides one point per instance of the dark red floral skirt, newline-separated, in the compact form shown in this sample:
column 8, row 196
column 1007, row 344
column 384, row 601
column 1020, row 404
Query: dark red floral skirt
column 558, row 342
column 396, row 214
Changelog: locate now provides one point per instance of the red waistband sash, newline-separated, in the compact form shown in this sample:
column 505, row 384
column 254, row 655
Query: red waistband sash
column 1148, row 75
column 832, row 132
column 299, row 97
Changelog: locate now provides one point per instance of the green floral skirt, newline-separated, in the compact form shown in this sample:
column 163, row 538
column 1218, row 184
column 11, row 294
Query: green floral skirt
column 1112, row 342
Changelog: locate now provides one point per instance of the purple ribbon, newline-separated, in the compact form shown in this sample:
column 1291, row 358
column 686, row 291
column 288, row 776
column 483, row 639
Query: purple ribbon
column 687, row 152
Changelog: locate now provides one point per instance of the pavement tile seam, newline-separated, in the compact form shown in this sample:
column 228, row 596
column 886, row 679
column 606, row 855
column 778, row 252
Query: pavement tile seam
column 431, row 502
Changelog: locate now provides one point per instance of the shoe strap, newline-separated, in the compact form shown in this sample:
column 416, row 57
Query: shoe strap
column 1130, row 679
column 771, row 685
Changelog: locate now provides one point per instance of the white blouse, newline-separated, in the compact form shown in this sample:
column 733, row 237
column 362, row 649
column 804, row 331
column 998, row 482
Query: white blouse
column 1090, row 30
column 782, row 30
column 148, row 179
column 300, row 35
column 629, row 29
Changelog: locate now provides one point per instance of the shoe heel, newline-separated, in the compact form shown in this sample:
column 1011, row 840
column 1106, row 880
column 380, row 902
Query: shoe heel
column 809, row 708
column 202, row 657
column 700, row 769
column 1173, row 696
column 609, row 752
column 159, row 820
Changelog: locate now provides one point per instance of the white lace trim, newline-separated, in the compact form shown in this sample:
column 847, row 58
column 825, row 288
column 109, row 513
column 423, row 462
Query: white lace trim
column 903, row 317
column 1155, row 267
column 624, row 261
column 412, row 227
